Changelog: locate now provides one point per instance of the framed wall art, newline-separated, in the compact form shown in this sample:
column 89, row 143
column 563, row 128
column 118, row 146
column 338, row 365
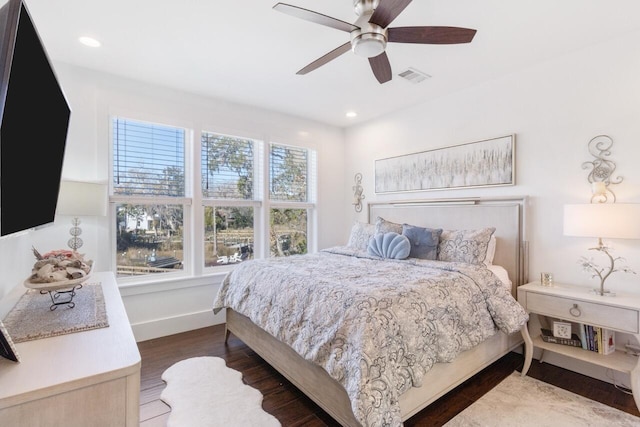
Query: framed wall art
column 490, row 162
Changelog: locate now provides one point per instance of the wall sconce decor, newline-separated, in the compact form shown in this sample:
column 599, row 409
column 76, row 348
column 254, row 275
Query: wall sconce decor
column 81, row 199
column 601, row 169
column 357, row 192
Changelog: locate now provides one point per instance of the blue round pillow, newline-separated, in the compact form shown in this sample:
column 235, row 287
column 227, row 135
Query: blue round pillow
column 389, row 245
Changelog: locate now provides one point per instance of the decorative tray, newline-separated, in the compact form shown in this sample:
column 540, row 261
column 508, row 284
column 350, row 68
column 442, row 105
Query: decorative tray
column 61, row 284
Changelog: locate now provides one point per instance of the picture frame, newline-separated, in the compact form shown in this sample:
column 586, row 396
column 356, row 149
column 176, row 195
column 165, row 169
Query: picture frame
column 485, row 163
column 7, row 348
column 561, row 329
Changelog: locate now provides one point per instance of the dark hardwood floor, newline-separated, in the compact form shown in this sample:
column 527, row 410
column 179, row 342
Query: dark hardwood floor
column 292, row 408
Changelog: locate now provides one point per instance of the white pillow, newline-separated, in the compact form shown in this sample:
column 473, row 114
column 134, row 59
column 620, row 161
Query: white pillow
column 468, row 246
column 491, row 251
column 384, row 226
column 361, row 232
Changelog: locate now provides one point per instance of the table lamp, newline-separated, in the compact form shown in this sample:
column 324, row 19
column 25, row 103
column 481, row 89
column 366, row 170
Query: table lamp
column 78, row 198
column 603, row 220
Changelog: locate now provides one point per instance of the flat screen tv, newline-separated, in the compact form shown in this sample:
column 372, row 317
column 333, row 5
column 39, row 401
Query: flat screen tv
column 35, row 119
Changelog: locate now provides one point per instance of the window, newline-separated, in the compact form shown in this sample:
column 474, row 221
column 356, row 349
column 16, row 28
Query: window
column 148, row 191
column 227, row 167
column 152, row 193
column 148, row 159
column 288, row 173
column 288, row 232
column 230, row 197
column 229, row 235
column 290, row 199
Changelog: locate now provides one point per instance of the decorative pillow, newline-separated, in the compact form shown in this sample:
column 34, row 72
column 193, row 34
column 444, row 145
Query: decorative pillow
column 384, row 226
column 424, row 241
column 468, row 246
column 361, row 232
column 389, row 245
column 491, row 251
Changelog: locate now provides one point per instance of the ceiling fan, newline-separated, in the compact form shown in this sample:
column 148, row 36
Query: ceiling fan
column 370, row 35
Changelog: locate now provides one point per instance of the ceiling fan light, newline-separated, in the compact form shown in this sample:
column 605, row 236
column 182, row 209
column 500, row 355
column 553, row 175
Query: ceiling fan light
column 369, row 45
column 362, row 7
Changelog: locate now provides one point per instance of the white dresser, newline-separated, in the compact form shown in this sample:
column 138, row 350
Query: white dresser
column 89, row 378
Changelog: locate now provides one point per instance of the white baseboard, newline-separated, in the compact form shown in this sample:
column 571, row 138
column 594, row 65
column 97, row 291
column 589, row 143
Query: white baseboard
column 174, row 325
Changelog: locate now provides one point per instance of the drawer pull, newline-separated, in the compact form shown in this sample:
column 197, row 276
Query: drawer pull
column 575, row 311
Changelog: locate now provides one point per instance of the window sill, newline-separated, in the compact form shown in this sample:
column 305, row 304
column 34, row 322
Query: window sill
column 154, row 285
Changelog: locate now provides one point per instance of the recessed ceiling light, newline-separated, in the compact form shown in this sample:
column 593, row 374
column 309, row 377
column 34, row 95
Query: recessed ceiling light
column 351, row 114
column 89, row 41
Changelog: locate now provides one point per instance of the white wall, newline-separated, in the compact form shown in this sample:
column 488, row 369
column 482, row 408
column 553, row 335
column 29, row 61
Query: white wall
column 168, row 307
column 554, row 109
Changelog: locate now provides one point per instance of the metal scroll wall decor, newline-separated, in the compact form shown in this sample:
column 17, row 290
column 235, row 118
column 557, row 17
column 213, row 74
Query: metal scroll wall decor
column 357, row 192
column 602, row 169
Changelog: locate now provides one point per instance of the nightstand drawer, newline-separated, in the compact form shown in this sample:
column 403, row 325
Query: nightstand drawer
column 606, row 316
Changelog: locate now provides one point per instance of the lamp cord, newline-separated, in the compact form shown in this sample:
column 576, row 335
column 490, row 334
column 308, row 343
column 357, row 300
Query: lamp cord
column 623, row 388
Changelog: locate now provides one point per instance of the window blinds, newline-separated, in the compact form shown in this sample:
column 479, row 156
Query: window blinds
column 227, row 167
column 288, row 173
column 148, row 159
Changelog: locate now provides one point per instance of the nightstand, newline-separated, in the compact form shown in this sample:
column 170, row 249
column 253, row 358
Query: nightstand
column 620, row 313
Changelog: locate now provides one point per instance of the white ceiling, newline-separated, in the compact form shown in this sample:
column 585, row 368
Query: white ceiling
column 244, row 51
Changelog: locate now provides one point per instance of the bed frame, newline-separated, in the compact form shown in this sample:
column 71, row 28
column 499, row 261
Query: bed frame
column 506, row 214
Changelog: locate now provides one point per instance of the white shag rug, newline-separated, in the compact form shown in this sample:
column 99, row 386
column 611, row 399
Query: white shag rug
column 203, row 392
column 526, row 402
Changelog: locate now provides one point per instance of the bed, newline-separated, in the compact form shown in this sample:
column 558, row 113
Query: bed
column 374, row 340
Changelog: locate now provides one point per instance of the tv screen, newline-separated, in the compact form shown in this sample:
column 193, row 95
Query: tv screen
column 35, row 120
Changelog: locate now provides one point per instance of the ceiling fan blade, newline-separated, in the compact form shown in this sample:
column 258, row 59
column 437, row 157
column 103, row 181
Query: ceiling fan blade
column 326, row 58
column 387, row 11
column 381, row 67
column 316, row 17
column 430, row 35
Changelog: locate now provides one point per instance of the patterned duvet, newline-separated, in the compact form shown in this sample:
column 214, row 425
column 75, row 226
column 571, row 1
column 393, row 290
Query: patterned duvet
column 375, row 325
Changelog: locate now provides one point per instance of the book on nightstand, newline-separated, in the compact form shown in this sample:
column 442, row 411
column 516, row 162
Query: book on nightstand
column 547, row 336
column 583, row 336
column 608, row 338
column 591, row 346
column 599, row 340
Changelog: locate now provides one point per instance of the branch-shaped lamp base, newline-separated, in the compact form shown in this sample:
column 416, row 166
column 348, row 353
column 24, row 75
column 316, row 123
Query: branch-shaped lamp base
column 602, row 248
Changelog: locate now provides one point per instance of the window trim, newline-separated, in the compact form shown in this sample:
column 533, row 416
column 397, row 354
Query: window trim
column 193, row 221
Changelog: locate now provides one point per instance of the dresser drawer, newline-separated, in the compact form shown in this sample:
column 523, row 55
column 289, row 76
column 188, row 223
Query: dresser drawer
column 618, row 318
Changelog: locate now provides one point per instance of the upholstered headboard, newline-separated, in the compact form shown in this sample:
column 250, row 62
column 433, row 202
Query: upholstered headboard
column 507, row 215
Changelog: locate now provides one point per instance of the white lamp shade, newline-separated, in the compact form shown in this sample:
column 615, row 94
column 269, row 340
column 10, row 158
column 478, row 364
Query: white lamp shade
column 609, row 220
column 78, row 198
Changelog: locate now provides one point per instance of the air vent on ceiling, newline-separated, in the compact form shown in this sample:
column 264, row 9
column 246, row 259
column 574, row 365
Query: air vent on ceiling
column 414, row 76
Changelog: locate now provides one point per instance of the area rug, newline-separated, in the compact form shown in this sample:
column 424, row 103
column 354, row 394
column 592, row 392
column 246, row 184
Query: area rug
column 203, row 392
column 526, row 402
column 31, row 318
